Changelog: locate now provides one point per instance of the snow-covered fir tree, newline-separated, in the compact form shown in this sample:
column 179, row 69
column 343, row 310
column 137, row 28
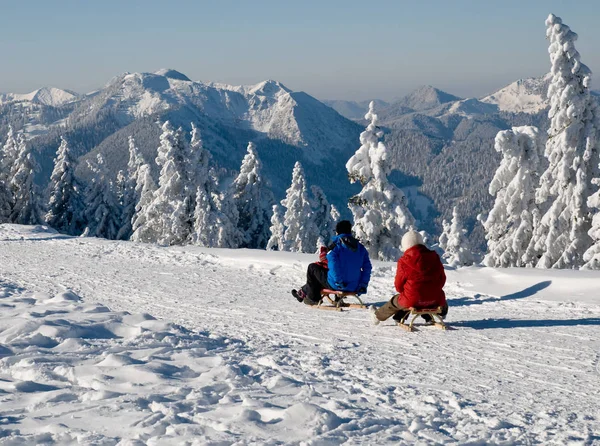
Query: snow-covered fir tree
column 129, row 187
column 254, row 200
column 26, row 207
column 380, row 211
column 325, row 216
column 277, row 229
column 168, row 214
column 142, row 222
column 8, row 158
column 65, row 205
column 230, row 235
column 206, row 220
column 101, row 212
column 509, row 225
column 300, row 230
column 443, row 240
column 9, row 155
column 458, row 250
column 573, row 153
column 198, row 164
column 592, row 256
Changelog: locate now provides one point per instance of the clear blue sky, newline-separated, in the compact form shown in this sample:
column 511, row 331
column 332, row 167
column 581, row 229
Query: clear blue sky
column 342, row 49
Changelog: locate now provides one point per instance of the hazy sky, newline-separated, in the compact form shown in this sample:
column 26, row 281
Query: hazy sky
column 331, row 49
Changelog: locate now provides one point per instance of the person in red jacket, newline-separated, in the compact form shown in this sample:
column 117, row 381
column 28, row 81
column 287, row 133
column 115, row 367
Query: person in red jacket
column 420, row 279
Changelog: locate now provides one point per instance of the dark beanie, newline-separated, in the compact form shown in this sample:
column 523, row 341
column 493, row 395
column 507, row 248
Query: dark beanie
column 343, row 227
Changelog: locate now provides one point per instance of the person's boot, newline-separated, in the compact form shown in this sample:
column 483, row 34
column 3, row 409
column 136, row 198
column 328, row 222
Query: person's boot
column 299, row 295
column 399, row 315
column 428, row 318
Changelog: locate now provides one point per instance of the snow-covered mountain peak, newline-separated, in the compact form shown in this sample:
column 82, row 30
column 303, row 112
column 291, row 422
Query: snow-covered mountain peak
column 45, row 96
column 426, row 97
column 173, row 74
column 525, row 95
column 268, row 88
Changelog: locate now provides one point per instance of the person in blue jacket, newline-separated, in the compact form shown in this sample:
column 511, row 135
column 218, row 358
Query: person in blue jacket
column 349, row 268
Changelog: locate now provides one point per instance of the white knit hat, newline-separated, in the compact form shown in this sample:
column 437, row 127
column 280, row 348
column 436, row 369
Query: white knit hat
column 410, row 239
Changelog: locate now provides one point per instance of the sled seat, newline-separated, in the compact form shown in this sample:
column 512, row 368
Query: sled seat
column 435, row 313
column 337, row 299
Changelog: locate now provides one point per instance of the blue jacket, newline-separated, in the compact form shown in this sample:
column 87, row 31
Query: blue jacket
column 349, row 264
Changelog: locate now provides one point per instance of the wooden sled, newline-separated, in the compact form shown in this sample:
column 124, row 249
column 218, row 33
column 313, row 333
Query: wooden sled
column 339, row 300
column 435, row 314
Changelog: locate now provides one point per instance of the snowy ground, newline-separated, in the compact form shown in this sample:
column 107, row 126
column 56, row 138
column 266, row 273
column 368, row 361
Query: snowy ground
column 232, row 358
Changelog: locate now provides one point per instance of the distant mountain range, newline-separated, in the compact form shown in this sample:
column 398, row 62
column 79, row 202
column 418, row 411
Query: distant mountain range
column 286, row 126
column 441, row 144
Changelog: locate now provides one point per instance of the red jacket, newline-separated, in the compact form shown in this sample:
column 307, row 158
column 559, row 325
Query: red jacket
column 323, row 257
column 420, row 278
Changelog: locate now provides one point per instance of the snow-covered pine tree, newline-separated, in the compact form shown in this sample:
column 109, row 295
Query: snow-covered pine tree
column 228, row 217
column 458, row 251
column 8, row 157
column 300, row 230
column 142, row 223
column 254, row 200
column 443, row 240
column 168, row 214
column 592, row 256
column 277, row 229
column 129, row 187
column 573, row 152
column 206, row 220
column 10, row 153
column 509, row 225
column 325, row 216
column 65, row 205
column 380, row 211
column 101, row 211
column 26, row 208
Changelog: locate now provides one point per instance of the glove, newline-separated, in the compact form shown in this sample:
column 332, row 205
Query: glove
column 362, row 289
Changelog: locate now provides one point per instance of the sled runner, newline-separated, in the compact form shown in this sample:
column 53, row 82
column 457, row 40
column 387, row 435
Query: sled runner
column 339, row 300
column 436, row 319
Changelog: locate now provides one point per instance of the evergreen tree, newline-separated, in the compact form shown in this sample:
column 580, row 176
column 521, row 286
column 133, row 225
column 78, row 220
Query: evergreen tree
column 168, row 214
column 572, row 150
column 101, row 211
column 380, row 211
column 592, row 256
column 444, row 236
column 457, row 252
column 65, row 206
column 206, row 220
column 300, row 230
column 325, row 216
column 8, row 158
column 228, row 217
column 276, row 241
column 129, row 186
column 142, row 223
column 509, row 226
column 26, row 208
column 254, row 200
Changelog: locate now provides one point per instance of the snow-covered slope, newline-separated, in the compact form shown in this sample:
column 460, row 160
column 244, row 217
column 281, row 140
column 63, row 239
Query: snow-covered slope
column 522, row 96
column 106, row 342
column 45, row 96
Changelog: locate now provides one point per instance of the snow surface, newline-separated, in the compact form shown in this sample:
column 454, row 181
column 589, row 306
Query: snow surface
column 105, row 342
